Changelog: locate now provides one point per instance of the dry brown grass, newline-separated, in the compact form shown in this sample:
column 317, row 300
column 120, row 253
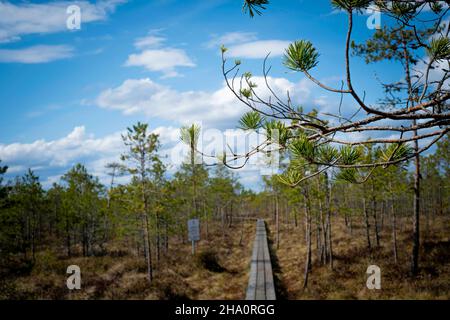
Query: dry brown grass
column 179, row 275
column 221, row 268
column 348, row 279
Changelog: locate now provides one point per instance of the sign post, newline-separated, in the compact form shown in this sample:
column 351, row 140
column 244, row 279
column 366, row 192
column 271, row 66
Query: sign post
column 194, row 232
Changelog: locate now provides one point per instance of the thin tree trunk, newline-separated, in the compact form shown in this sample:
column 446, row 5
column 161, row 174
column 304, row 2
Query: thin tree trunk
column 166, row 236
column 330, row 245
column 319, row 247
column 277, row 215
column 223, row 220
column 323, row 253
column 158, row 239
column 394, row 232
column 206, row 221
column 374, row 214
column 308, row 241
column 147, row 249
column 416, row 216
column 69, row 252
column 366, row 218
column 230, row 220
column 295, row 218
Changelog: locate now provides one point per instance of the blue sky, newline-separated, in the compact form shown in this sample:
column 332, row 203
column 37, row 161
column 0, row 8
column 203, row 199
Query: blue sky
column 67, row 94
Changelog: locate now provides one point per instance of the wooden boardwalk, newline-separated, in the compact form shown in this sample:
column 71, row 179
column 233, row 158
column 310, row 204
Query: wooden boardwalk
column 260, row 284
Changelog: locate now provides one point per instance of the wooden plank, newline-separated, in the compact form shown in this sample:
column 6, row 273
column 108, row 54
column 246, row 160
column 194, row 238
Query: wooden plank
column 260, row 275
column 261, row 284
column 251, row 289
column 269, row 283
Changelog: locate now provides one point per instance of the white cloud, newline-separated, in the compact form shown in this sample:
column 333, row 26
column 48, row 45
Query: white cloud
column 154, row 57
column 54, row 157
column 17, row 20
column 214, row 109
column 258, row 49
column 247, row 45
column 149, row 41
column 36, row 54
column 232, row 38
column 60, row 152
column 162, row 60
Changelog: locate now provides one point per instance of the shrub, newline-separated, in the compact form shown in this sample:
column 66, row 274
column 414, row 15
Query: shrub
column 209, row 261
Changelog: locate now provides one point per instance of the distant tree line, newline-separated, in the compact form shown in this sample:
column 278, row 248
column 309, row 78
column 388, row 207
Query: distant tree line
column 80, row 216
column 147, row 216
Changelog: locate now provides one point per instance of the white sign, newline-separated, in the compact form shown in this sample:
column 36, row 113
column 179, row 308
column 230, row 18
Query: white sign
column 194, row 229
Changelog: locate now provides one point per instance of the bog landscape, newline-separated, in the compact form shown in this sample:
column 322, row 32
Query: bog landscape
column 224, row 150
